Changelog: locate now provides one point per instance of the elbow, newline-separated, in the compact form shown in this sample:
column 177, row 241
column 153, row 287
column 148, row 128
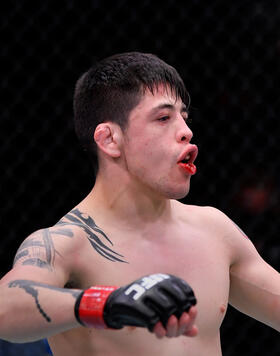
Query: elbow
column 11, row 332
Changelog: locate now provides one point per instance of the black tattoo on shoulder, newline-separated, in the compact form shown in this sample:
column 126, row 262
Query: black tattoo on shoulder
column 75, row 217
column 33, row 288
column 35, row 262
column 39, row 250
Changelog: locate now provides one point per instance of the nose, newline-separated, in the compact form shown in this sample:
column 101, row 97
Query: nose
column 184, row 133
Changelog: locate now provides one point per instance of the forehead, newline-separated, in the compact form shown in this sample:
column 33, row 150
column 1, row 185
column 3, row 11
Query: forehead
column 159, row 96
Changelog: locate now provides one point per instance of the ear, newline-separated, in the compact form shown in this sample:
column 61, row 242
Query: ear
column 107, row 136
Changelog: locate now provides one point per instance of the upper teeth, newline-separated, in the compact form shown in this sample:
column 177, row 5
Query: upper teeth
column 188, row 157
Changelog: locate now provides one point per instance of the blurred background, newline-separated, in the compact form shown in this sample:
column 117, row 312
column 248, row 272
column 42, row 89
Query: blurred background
column 228, row 55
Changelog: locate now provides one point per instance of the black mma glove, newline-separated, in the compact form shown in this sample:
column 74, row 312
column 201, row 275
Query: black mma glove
column 142, row 303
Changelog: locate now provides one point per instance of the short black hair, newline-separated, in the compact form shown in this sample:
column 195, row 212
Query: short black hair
column 112, row 87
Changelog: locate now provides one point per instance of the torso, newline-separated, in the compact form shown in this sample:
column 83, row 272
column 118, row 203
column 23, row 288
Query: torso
column 190, row 248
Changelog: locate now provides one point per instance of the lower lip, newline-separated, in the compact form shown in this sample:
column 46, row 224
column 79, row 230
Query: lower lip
column 190, row 168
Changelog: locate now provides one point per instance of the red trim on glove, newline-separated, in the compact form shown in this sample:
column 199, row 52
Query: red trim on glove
column 92, row 306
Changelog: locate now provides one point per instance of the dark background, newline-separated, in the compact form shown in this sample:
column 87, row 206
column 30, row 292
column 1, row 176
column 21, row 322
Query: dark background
column 228, row 54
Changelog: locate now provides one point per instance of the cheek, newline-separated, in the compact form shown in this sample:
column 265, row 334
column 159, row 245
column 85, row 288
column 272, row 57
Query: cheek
column 148, row 157
column 147, row 163
column 144, row 151
column 154, row 158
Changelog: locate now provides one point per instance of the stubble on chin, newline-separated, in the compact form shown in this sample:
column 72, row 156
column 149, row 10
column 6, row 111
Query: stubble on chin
column 172, row 191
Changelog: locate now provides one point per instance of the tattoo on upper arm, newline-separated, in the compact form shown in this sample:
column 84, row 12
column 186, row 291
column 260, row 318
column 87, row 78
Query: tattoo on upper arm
column 33, row 288
column 75, row 217
column 38, row 250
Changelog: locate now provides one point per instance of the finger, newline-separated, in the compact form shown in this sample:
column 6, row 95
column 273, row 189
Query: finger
column 192, row 312
column 193, row 331
column 159, row 330
column 188, row 318
column 186, row 323
column 172, row 326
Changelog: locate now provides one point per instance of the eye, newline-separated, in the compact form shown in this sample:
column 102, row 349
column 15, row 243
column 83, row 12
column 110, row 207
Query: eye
column 163, row 118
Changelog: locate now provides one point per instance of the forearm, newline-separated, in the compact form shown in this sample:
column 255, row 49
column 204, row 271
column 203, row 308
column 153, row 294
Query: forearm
column 31, row 311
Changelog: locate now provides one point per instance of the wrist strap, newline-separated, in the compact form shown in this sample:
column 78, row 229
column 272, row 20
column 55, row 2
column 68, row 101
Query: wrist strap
column 90, row 304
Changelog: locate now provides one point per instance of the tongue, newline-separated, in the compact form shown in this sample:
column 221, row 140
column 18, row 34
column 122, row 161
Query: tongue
column 189, row 167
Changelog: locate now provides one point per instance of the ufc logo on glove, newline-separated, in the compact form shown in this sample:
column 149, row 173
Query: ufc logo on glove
column 145, row 284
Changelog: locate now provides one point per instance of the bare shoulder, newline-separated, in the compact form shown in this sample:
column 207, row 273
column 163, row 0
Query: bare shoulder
column 50, row 254
column 215, row 224
column 43, row 247
column 213, row 219
column 201, row 214
column 58, row 254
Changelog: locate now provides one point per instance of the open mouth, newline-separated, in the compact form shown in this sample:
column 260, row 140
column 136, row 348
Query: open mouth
column 187, row 162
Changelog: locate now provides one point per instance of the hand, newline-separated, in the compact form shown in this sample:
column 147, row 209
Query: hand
column 174, row 327
column 158, row 299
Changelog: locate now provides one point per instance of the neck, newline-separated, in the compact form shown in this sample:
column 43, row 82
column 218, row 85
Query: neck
column 126, row 202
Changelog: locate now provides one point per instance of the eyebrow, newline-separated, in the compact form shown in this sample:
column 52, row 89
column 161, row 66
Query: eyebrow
column 168, row 106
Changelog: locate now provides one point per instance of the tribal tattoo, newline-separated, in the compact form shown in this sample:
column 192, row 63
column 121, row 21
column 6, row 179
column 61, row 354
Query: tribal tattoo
column 76, row 218
column 32, row 288
column 38, row 250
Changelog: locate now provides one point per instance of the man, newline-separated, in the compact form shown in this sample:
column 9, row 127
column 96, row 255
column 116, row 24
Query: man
column 131, row 115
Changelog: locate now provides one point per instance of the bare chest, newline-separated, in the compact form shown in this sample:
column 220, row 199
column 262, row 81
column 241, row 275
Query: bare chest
column 193, row 255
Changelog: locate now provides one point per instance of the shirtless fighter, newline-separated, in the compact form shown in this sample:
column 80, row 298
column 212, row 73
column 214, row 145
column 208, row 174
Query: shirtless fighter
column 115, row 275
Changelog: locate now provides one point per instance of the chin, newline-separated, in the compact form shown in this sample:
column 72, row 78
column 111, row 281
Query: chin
column 178, row 193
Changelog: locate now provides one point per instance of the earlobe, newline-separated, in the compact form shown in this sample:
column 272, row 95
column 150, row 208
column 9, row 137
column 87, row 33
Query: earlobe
column 106, row 136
